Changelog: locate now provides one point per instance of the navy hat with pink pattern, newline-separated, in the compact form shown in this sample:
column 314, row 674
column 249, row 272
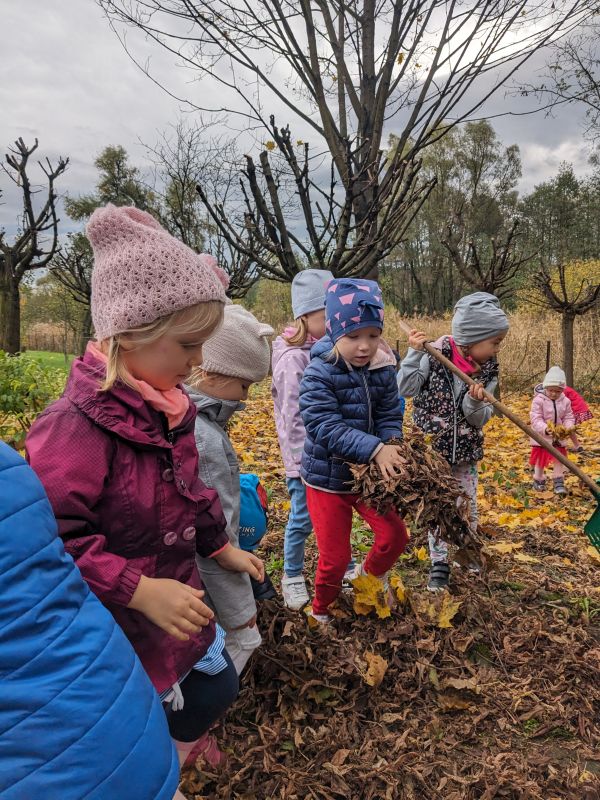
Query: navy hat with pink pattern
column 352, row 304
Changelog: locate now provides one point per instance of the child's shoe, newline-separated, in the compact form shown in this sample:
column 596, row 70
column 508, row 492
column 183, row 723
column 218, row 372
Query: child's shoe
column 264, row 590
column 559, row 486
column 294, row 592
column 350, row 575
column 439, row 576
column 539, row 486
column 323, row 619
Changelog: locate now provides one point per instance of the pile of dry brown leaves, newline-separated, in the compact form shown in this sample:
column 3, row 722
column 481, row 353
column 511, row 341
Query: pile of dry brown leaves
column 424, row 491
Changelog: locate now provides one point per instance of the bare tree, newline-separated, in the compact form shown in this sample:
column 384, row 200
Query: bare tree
column 72, row 268
column 35, row 243
column 496, row 271
column 570, row 301
column 184, row 155
column 573, row 75
column 344, row 72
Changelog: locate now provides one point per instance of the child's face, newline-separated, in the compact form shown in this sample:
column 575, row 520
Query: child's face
column 359, row 347
column 166, row 361
column 225, row 387
column 486, row 349
column 553, row 392
column 315, row 323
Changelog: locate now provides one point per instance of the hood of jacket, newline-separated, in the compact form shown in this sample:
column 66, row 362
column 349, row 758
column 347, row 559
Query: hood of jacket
column 217, row 410
column 281, row 347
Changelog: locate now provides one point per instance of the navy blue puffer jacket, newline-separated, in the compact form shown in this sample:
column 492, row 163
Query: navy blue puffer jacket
column 79, row 718
column 347, row 412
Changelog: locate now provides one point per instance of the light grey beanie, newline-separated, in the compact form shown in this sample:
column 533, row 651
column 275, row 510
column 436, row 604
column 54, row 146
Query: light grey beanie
column 478, row 316
column 308, row 291
column 240, row 348
column 555, row 377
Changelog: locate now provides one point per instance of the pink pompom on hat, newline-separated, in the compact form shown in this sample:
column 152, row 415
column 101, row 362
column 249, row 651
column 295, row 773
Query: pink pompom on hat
column 142, row 273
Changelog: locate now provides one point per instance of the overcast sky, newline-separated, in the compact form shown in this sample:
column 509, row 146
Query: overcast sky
column 67, row 80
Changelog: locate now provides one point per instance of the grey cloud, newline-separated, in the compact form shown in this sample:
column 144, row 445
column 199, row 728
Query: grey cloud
column 67, row 80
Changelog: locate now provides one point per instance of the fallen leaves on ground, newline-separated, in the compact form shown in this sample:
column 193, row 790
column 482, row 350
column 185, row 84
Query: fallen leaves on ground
column 502, row 704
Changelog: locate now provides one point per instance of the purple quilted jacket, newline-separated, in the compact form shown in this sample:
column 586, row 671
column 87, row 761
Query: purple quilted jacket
column 128, row 501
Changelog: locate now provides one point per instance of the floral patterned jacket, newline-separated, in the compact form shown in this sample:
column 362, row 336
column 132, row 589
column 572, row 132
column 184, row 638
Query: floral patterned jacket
column 442, row 406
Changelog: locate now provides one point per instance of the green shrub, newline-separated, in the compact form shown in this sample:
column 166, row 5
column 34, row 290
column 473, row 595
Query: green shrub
column 26, row 388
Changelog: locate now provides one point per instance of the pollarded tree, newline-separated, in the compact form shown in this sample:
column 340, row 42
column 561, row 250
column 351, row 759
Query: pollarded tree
column 571, row 289
column 342, row 73
column 35, row 242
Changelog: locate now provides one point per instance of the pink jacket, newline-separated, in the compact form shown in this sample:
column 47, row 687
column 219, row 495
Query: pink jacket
column 544, row 410
column 128, row 501
column 289, row 363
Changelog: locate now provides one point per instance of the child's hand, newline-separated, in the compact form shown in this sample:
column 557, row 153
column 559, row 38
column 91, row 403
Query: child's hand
column 250, row 624
column 387, row 458
column 416, row 339
column 477, row 392
column 236, row 560
column 172, row 605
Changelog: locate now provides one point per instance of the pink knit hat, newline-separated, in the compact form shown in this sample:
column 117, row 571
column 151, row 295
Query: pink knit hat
column 142, row 273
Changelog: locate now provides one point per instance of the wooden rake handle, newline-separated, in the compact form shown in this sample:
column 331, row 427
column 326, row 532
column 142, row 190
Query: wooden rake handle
column 593, row 487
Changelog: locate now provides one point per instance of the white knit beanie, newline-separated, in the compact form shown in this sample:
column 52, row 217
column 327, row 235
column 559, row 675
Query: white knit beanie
column 555, row 377
column 240, row 348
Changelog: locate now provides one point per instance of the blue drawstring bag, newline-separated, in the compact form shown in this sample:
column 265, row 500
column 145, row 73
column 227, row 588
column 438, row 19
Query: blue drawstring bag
column 253, row 511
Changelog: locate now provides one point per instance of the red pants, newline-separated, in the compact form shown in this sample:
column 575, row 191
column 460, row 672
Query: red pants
column 331, row 516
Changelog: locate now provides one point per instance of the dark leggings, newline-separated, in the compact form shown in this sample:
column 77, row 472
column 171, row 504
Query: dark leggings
column 206, row 698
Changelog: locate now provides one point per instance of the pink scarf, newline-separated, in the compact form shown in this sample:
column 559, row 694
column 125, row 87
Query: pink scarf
column 465, row 364
column 173, row 402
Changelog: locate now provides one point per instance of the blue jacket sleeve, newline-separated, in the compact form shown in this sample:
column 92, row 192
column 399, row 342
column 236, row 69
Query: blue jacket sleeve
column 324, row 423
column 389, row 412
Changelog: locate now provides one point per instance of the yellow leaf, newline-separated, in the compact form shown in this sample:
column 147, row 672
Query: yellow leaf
column 312, row 622
column 448, row 609
column 270, row 145
column 369, row 592
column 527, row 559
column 593, row 552
column 420, row 553
column 377, row 669
column 504, row 547
column 400, row 59
column 398, row 587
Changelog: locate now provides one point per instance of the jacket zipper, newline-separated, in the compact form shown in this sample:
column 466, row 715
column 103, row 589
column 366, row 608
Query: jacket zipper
column 455, row 402
column 362, row 374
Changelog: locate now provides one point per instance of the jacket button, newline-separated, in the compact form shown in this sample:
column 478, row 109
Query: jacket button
column 167, row 474
column 170, row 538
column 189, row 533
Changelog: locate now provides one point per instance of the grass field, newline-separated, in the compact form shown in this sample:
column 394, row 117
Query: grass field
column 51, row 359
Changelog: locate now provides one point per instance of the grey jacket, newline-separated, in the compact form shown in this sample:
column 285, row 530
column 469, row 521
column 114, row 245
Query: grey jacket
column 229, row 593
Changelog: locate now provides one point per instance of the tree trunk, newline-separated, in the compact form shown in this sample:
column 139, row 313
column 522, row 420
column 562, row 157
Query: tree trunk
column 568, row 321
column 85, row 334
column 10, row 313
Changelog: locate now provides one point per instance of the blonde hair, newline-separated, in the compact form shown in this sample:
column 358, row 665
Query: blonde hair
column 201, row 318
column 199, row 374
column 298, row 338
